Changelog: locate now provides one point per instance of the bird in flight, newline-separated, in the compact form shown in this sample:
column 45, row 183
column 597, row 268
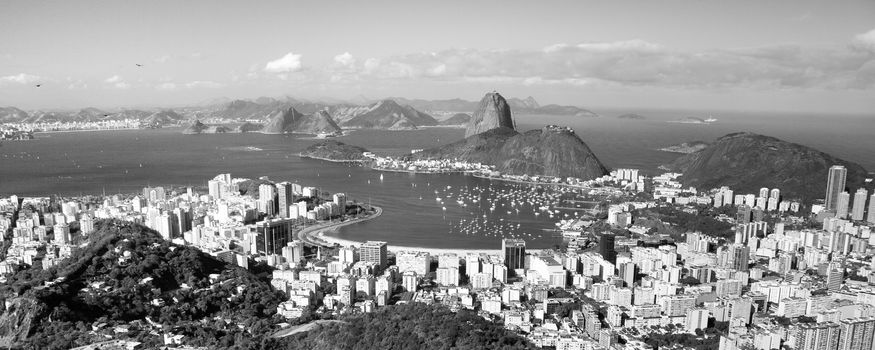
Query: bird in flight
column 138, row 65
column 38, row 85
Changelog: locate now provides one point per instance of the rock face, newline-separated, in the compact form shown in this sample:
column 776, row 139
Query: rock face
column 196, row 128
column 746, row 162
column 291, row 121
column 388, row 114
column 551, row 151
column 492, row 112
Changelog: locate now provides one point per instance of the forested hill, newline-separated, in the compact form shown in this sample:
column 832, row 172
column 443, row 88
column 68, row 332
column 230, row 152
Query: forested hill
column 128, row 276
column 408, row 326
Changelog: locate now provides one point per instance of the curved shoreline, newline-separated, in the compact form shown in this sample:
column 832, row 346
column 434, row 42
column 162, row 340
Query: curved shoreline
column 315, row 234
column 319, row 235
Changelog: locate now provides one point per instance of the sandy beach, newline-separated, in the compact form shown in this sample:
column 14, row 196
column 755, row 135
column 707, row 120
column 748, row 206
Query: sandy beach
column 321, row 234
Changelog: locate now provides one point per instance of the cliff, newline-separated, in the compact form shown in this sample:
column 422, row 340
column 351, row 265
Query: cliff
column 492, row 112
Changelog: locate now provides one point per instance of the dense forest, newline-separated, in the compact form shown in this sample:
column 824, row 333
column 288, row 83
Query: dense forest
column 407, row 326
column 128, row 275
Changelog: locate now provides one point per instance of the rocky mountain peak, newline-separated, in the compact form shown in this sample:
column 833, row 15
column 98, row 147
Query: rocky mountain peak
column 492, row 112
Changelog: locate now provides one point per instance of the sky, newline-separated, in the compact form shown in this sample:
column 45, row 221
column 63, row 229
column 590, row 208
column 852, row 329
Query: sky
column 796, row 56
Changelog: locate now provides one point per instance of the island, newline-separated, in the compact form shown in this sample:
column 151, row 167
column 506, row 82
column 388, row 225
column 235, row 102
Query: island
column 334, row 151
column 686, row 147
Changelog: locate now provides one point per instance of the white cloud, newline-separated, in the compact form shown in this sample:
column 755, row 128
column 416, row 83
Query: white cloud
column 166, row 86
column 163, row 59
column 345, row 59
column 865, row 41
column 113, row 79
column 122, row 85
column 20, row 78
column 204, row 84
column 286, row 64
column 638, row 63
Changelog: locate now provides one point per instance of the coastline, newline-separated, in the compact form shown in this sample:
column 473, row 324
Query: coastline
column 320, row 235
column 84, row 130
column 334, row 160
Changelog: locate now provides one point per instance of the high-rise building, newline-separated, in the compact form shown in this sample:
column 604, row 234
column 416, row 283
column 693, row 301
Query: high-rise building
column 859, row 204
column 340, row 200
column 267, row 199
column 764, row 192
column 812, row 336
column 835, row 184
column 293, row 252
column 285, row 197
column 607, row 249
column 734, row 256
column 857, row 333
column 743, row 214
column 374, row 251
column 835, row 275
column 871, row 216
column 841, row 205
column 273, row 235
column 514, row 253
column 86, row 224
column 418, row 262
column 775, row 193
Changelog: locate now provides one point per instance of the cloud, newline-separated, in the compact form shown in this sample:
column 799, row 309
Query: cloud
column 865, row 41
column 286, row 64
column 20, row 78
column 204, row 84
column 166, row 86
column 345, row 59
column 637, row 63
column 113, row 79
column 122, row 85
column 162, row 59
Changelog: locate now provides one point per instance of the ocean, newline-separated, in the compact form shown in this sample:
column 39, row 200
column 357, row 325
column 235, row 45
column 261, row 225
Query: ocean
column 125, row 161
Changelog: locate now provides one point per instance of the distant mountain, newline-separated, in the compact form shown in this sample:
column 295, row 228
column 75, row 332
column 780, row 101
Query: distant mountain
column 525, row 106
column 519, row 104
column 551, row 151
column 492, row 112
column 249, row 127
column 291, row 121
column 89, row 114
column 747, row 162
column 128, row 114
column 631, row 116
column 248, row 110
column 12, row 115
column 334, row 151
column 561, row 110
column 457, row 119
column 388, row 114
column 162, row 118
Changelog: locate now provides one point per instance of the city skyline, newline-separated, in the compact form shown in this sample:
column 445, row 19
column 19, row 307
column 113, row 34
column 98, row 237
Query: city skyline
column 788, row 56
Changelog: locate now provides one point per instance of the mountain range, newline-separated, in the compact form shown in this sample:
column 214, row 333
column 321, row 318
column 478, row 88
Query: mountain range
column 392, row 113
